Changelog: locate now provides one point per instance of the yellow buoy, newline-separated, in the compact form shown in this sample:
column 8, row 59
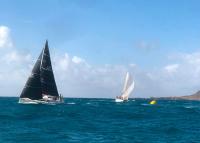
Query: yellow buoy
column 153, row 102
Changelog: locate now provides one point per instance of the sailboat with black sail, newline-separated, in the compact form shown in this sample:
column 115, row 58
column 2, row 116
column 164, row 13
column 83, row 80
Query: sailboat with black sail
column 41, row 86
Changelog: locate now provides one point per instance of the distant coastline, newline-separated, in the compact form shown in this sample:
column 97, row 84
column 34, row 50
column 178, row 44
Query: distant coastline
column 195, row 96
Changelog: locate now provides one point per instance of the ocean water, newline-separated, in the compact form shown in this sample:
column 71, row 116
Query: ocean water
column 100, row 121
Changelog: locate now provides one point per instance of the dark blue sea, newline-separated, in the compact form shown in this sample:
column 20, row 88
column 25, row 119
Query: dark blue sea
column 100, row 121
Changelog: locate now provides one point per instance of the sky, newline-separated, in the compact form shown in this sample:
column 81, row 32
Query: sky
column 93, row 43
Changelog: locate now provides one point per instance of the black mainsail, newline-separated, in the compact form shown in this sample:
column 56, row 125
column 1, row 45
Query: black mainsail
column 41, row 81
column 46, row 73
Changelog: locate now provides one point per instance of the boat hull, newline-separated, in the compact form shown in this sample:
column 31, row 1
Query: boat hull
column 119, row 100
column 29, row 101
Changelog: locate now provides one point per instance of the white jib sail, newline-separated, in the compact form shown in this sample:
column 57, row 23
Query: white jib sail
column 128, row 88
column 126, row 82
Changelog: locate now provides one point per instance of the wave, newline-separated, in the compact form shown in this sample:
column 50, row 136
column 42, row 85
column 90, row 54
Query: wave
column 145, row 104
column 71, row 103
column 87, row 121
column 190, row 107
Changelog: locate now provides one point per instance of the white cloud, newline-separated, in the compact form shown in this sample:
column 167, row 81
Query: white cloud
column 179, row 79
column 171, row 68
column 77, row 60
column 15, row 57
column 77, row 78
column 5, row 39
column 15, row 65
column 15, row 68
column 63, row 62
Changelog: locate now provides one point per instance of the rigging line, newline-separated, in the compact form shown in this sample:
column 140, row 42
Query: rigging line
column 42, row 58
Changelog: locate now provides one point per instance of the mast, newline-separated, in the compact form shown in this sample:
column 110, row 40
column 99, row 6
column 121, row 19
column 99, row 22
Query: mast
column 48, row 83
column 32, row 88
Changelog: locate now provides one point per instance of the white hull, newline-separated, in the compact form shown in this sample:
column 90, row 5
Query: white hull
column 29, row 101
column 119, row 100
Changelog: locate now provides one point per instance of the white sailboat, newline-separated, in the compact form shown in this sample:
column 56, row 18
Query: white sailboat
column 127, row 90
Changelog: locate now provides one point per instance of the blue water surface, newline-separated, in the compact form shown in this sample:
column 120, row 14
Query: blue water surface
column 100, row 121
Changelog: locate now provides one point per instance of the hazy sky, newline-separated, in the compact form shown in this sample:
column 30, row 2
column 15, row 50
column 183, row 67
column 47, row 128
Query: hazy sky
column 93, row 43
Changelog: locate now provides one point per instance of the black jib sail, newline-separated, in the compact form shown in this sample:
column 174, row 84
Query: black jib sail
column 41, row 82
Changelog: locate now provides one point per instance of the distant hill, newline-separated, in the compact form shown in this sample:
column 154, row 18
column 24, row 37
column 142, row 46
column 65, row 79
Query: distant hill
column 195, row 96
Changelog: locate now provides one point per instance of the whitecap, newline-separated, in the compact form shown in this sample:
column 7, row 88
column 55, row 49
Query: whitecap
column 71, row 103
column 189, row 107
column 145, row 104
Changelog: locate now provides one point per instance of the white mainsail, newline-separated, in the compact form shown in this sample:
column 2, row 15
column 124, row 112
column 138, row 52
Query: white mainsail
column 128, row 87
column 125, row 82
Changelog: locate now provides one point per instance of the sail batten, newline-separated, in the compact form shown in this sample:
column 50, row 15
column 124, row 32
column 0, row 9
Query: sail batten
column 47, row 69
